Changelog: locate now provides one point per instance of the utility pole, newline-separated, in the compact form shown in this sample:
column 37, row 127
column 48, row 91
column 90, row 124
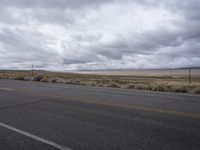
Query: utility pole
column 189, row 75
column 32, row 71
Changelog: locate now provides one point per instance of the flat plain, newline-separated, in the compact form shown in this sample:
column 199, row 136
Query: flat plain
column 170, row 80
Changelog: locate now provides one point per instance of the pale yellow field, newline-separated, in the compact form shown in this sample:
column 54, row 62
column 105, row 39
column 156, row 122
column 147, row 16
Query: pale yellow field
column 155, row 80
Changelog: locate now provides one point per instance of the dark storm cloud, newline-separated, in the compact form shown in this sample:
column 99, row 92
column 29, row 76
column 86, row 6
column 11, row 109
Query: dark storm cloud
column 50, row 3
column 84, row 34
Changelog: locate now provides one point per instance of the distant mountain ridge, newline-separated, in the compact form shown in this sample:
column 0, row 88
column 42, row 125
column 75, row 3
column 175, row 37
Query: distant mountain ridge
column 140, row 69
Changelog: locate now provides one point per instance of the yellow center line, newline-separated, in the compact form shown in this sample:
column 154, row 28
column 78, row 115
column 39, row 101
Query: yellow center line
column 129, row 106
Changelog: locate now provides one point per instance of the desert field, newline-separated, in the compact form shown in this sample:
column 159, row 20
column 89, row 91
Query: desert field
column 170, row 80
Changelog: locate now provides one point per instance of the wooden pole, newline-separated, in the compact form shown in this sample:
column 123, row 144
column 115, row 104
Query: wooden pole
column 189, row 76
column 32, row 71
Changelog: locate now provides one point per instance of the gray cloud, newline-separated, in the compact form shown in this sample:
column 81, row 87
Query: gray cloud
column 19, row 47
column 75, row 4
column 92, row 34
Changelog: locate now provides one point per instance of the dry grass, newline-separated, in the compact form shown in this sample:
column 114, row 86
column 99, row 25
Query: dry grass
column 174, row 83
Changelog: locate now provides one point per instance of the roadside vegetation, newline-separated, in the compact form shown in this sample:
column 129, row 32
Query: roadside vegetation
column 175, row 83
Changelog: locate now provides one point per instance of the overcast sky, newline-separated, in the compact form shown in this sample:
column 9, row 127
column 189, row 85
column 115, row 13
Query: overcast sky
column 99, row 34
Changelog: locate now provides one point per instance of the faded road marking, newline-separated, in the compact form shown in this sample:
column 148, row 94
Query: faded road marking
column 37, row 138
column 6, row 89
column 130, row 106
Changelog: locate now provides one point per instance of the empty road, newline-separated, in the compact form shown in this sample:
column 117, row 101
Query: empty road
column 45, row 116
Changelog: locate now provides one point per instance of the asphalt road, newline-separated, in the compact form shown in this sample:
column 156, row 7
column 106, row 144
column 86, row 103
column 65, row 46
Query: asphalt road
column 47, row 116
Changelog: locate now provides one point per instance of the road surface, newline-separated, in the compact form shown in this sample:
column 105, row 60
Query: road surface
column 47, row 116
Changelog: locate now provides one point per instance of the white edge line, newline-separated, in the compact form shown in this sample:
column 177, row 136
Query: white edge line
column 37, row 138
column 7, row 89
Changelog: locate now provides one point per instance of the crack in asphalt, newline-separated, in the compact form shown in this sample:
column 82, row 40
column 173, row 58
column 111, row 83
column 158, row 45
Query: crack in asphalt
column 168, row 103
column 22, row 104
